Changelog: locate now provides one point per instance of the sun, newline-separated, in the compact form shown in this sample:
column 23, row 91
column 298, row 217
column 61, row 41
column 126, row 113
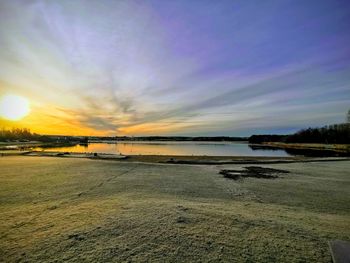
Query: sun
column 13, row 107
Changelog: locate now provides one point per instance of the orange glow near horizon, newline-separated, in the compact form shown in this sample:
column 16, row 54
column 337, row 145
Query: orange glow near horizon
column 50, row 120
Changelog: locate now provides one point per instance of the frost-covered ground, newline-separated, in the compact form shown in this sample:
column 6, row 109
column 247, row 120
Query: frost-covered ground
column 67, row 209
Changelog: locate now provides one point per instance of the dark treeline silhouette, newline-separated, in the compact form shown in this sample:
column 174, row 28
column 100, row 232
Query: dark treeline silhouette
column 24, row 134
column 17, row 134
column 337, row 133
column 333, row 134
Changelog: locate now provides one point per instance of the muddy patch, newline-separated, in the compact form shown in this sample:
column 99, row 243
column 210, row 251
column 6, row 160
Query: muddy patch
column 253, row 171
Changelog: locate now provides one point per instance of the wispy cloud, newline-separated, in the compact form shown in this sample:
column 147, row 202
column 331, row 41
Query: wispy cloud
column 181, row 67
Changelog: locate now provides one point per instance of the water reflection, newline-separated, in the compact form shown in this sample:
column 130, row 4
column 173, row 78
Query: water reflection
column 300, row 152
column 173, row 148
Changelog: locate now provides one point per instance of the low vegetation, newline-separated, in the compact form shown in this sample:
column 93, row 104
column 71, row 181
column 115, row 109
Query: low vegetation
column 25, row 135
column 17, row 134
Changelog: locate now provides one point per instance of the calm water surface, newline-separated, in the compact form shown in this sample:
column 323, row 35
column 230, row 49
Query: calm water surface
column 172, row 148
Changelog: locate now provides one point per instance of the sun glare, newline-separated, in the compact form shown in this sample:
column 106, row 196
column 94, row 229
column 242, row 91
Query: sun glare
column 13, row 107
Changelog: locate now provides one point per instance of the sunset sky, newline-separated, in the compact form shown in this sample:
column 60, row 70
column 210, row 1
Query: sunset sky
column 188, row 67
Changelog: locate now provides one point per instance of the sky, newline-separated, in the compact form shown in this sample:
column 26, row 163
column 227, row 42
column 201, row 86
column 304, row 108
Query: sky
column 191, row 67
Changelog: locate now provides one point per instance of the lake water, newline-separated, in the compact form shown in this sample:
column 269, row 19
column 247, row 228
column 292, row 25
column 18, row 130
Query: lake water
column 172, row 148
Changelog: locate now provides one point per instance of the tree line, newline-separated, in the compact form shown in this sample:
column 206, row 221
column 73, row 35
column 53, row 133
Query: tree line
column 22, row 134
column 17, row 134
column 333, row 134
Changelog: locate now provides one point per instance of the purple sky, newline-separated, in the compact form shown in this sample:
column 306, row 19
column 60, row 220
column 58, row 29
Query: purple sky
column 180, row 67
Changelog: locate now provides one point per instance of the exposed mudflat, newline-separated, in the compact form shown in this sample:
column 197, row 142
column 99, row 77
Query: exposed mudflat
column 92, row 210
